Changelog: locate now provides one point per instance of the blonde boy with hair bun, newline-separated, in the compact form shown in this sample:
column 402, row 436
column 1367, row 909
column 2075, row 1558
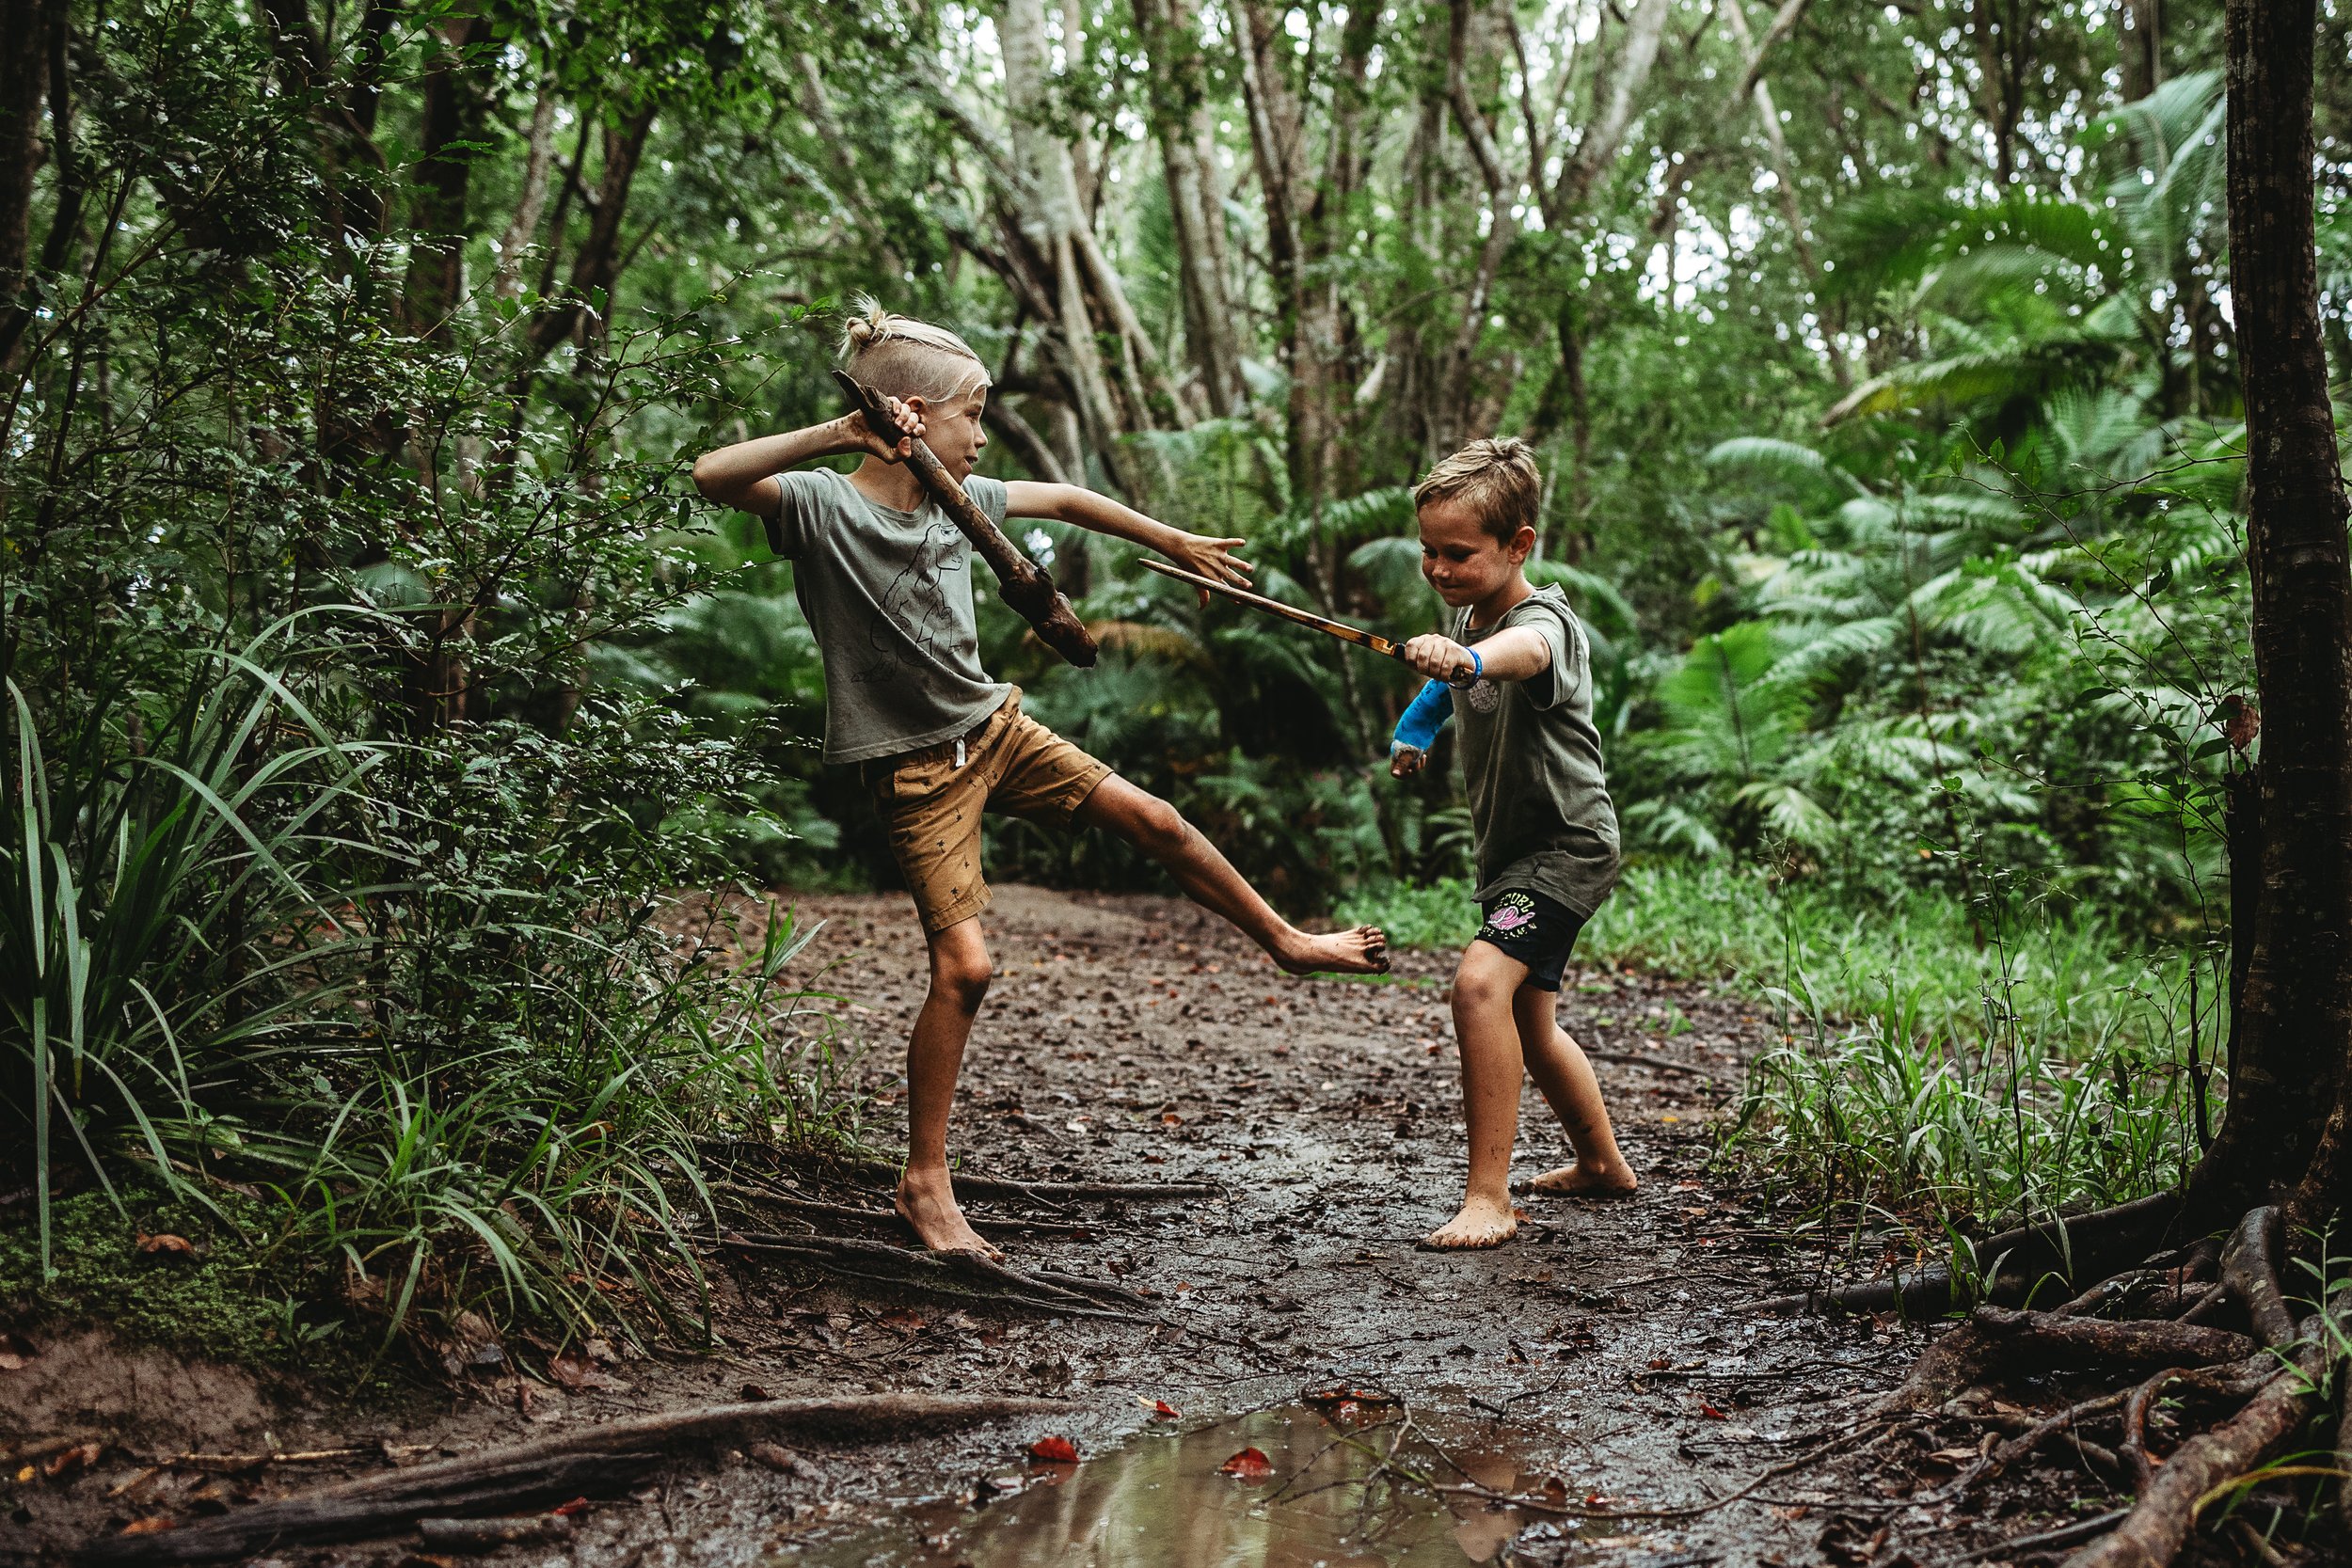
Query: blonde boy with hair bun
column 1544, row 832
column 885, row 580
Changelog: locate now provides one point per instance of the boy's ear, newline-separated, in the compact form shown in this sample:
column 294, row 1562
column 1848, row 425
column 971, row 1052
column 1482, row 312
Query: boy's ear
column 1522, row 544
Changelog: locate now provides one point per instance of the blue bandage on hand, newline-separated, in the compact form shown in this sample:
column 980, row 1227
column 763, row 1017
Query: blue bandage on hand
column 1424, row 717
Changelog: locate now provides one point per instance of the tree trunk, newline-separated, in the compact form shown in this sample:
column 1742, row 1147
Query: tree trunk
column 1181, row 121
column 1776, row 146
column 2297, row 1016
column 2140, row 41
column 23, row 87
column 508, row 280
column 1049, row 218
column 1599, row 150
column 598, row 264
column 457, row 108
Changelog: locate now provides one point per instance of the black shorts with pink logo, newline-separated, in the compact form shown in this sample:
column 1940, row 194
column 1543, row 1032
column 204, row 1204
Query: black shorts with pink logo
column 1540, row 932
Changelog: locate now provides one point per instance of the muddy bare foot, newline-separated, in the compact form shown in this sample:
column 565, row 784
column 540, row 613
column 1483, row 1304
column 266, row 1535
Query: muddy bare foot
column 928, row 1203
column 1363, row 950
column 1587, row 1181
column 1482, row 1223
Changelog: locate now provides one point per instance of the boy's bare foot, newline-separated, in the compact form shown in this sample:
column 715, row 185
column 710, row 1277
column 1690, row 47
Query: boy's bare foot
column 1363, row 950
column 1582, row 1179
column 927, row 1202
column 1482, row 1223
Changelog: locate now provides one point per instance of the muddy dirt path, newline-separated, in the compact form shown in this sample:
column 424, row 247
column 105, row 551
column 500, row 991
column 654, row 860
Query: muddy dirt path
column 1600, row 1361
column 1137, row 1040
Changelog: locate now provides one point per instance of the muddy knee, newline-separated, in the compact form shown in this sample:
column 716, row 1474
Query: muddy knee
column 1482, row 989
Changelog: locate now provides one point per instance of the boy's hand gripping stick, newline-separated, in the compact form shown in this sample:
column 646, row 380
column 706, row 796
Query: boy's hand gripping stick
column 1020, row 581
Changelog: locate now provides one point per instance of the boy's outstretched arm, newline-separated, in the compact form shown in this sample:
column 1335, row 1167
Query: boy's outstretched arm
column 742, row 476
column 1071, row 503
column 1512, row 655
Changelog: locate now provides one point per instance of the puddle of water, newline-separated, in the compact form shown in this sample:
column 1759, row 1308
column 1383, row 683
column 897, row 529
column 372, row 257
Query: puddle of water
column 1161, row 1501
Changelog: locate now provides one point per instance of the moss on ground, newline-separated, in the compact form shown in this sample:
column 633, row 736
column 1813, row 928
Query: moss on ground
column 228, row 1301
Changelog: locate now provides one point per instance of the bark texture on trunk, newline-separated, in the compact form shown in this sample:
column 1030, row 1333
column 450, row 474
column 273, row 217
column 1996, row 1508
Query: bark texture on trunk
column 2296, row 1025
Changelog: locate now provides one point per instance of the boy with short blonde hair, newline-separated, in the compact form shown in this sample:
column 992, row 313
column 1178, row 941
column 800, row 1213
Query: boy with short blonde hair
column 885, row 580
column 1544, row 831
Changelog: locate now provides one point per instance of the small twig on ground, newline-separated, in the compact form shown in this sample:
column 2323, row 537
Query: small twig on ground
column 959, row 1275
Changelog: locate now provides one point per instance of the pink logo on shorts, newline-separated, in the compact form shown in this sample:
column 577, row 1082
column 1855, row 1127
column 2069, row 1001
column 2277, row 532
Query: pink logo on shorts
column 1510, row 917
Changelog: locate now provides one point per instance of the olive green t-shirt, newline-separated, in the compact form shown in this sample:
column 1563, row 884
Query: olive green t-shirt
column 888, row 594
column 1540, row 815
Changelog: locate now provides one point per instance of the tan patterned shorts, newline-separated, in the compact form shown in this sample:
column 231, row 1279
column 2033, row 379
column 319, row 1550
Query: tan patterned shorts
column 932, row 806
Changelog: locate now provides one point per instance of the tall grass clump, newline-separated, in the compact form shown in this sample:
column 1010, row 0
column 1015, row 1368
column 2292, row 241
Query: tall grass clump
column 1934, row 1065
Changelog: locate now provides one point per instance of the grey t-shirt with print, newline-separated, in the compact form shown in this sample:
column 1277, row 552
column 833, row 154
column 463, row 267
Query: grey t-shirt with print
column 1540, row 814
column 889, row 595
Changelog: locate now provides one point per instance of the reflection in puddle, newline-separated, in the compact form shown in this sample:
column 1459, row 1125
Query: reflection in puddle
column 1159, row 1501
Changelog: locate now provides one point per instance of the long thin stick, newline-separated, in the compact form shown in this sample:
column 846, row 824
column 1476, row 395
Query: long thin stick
column 1021, row 582
column 1339, row 629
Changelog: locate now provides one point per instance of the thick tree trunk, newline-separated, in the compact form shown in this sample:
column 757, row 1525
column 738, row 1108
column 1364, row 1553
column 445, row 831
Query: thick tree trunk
column 2296, row 1022
column 1645, row 31
column 23, row 87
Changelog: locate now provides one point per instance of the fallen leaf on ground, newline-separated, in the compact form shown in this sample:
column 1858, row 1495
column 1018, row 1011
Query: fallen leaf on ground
column 167, row 1249
column 572, row 1509
column 149, row 1525
column 577, row 1372
column 1161, row 1409
column 1250, row 1464
column 1712, row 1413
column 1054, row 1450
column 16, row 1351
column 81, row 1456
column 753, row 1393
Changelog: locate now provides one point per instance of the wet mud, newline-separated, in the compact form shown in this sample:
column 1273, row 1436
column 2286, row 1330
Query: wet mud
column 1600, row 1368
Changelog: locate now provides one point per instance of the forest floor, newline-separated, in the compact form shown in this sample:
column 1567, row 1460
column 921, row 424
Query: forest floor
column 1603, row 1362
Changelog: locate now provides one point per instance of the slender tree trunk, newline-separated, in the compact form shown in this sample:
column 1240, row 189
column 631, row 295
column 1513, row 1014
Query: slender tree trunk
column 2140, row 42
column 1784, row 176
column 2297, row 1028
column 539, row 152
column 597, row 266
column 23, row 87
column 1645, row 31
column 1049, row 220
column 1181, row 124
column 456, row 109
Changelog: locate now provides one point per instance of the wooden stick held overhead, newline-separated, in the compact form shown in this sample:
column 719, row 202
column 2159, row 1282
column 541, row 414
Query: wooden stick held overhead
column 1020, row 581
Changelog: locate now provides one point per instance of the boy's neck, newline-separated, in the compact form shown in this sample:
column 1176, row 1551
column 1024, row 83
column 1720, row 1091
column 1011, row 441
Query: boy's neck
column 890, row 484
column 1495, row 605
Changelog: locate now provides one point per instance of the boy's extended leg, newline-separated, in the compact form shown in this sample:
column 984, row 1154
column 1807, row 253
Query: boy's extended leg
column 959, row 976
column 1157, row 828
column 1558, row 1067
column 1487, row 1035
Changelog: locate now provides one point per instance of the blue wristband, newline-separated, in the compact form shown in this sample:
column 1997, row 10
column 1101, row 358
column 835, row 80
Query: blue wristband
column 1478, row 669
column 1424, row 717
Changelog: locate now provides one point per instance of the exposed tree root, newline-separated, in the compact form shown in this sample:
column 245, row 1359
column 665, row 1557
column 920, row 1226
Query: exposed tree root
column 2249, row 1267
column 959, row 1276
column 2080, row 1246
column 2152, row 1533
column 2140, row 1342
column 505, row 1479
column 1052, row 1194
column 891, row 1221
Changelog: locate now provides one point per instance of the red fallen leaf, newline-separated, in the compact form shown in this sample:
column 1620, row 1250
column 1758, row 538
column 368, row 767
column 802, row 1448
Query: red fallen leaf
column 572, row 1509
column 1161, row 1410
column 16, row 1351
column 167, row 1249
column 1054, row 1450
column 1250, row 1464
column 149, row 1525
column 753, row 1393
column 1712, row 1413
column 1658, row 1363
